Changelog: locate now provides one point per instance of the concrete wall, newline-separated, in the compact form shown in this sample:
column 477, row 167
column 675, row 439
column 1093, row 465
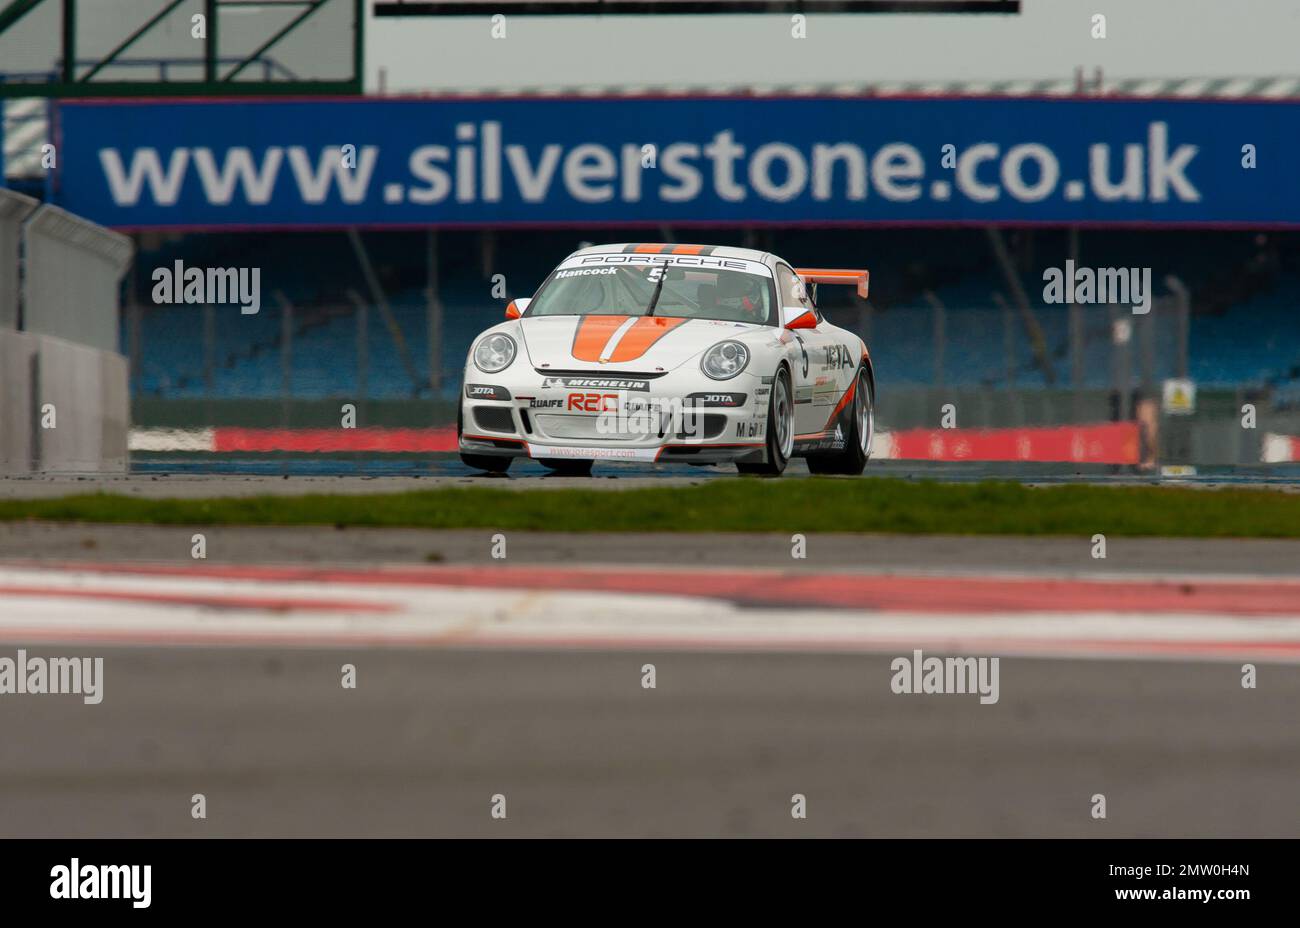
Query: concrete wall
column 17, row 351
column 14, row 209
column 72, row 271
column 64, row 400
column 79, row 392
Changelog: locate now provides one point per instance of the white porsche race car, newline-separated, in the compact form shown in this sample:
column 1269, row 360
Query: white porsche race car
column 692, row 354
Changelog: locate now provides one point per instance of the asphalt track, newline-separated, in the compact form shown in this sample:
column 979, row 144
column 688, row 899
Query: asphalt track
column 825, row 551
column 578, row 748
column 563, row 728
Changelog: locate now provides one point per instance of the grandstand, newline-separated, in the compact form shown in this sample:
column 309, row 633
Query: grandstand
column 1245, row 292
column 352, row 313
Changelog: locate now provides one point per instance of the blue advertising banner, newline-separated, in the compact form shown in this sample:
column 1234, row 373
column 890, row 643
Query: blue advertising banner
column 498, row 162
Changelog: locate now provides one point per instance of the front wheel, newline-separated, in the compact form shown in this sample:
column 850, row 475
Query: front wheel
column 852, row 458
column 492, row 463
column 780, row 429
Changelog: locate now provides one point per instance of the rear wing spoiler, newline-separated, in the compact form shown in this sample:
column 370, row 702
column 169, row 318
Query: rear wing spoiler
column 828, row 275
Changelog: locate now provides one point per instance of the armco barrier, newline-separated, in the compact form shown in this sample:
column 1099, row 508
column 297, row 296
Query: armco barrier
column 14, row 210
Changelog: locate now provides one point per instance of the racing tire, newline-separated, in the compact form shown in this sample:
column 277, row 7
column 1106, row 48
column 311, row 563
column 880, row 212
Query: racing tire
column 780, row 429
column 564, row 467
column 492, row 463
column 852, row 458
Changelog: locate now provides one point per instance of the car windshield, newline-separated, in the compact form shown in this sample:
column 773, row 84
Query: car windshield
column 733, row 296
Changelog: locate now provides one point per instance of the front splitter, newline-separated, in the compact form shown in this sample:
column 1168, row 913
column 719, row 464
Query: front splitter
column 593, row 454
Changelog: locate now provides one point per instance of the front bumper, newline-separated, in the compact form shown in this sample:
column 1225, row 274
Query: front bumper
column 671, row 417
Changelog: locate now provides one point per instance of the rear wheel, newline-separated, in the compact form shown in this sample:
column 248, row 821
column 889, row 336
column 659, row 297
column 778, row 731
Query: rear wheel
column 564, row 467
column 860, row 431
column 780, row 429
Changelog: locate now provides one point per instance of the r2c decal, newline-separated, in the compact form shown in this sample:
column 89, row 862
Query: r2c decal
column 592, row 402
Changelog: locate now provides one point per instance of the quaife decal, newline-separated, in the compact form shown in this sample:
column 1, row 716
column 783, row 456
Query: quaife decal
column 535, row 403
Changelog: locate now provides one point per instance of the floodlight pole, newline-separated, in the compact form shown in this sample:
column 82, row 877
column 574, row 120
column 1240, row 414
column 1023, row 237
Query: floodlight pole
column 1184, row 322
column 940, row 336
column 210, row 45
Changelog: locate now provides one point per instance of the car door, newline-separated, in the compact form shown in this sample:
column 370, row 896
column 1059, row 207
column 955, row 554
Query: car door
column 817, row 379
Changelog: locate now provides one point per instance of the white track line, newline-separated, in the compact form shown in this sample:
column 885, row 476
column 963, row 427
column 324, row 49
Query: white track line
column 64, row 606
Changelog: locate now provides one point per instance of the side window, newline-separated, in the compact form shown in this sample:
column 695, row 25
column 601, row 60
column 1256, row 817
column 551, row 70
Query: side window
column 792, row 290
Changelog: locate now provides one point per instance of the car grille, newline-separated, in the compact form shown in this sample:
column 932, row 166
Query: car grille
column 494, row 419
column 584, row 428
column 587, row 428
column 712, row 425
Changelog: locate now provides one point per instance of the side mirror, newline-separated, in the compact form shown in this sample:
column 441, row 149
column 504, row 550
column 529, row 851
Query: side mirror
column 798, row 317
column 516, row 308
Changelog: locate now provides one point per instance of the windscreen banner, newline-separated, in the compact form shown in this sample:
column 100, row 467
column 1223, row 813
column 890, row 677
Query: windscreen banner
column 422, row 162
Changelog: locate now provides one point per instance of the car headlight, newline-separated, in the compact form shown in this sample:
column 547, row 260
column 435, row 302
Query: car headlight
column 725, row 360
column 494, row 353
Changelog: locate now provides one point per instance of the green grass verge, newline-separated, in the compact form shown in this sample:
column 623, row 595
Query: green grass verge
column 875, row 505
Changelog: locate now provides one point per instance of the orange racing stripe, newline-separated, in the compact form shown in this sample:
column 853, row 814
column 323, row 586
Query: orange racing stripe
column 844, row 401
column 637, row 340
column 593, row 334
